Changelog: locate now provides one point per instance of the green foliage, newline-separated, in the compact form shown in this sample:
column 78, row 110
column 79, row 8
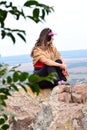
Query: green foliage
column 3, row 124
column 3, row 69
column 39, row 11
column 3, row 15
column 11, row 82
column 11, row 33
column 9, row 8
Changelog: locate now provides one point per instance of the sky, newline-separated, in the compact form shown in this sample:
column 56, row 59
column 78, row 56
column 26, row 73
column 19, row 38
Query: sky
column 69, row 21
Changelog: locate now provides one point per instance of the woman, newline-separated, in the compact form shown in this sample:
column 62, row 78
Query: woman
column 46, row 59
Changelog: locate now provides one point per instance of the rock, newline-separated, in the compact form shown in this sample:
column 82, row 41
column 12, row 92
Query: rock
column 63, row 108
column 22, row 124
column 25, row 107
column 64, row 93
column 44, row 118
column 79, row 93
column 64, row 88
column 65, row 115
column 64, row 97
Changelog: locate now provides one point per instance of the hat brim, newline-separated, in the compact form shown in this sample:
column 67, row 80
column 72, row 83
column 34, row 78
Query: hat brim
column 52, row 34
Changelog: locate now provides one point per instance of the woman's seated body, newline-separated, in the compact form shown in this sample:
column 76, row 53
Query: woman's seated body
column 46, row 59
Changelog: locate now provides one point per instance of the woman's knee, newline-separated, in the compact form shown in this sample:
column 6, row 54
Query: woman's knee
column 59, row 61
column 51, row 69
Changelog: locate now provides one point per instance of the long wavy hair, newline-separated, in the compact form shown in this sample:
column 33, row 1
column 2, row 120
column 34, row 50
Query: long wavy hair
column 43, row 39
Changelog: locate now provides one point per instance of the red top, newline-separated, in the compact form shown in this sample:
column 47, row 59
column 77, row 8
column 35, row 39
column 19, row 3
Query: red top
column 39, row 64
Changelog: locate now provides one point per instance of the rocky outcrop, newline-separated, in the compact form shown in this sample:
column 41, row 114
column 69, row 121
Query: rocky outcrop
column 24, row 108
column 63, row 108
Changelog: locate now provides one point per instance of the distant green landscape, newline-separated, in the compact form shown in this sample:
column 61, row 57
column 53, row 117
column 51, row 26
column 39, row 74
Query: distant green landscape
column 75, row 78
column 77, row 70
column 76, row 61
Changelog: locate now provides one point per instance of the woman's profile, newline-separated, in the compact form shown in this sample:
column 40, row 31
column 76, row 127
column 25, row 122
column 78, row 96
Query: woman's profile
column 47, row 59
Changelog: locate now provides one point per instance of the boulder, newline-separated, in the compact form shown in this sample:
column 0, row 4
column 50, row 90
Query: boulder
column 24, row 108
column 63, row 108
column 79, row 93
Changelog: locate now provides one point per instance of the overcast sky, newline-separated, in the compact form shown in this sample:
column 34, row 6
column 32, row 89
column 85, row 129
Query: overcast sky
column 69, row 21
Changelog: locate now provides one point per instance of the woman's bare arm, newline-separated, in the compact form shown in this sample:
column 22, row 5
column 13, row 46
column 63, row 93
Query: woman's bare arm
column 51, row 62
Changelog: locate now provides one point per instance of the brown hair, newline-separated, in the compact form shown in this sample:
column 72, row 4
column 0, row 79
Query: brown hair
column 43, row 39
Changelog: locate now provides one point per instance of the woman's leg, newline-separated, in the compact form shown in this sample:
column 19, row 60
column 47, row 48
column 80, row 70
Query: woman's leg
column 45, row 71
column 59, row 71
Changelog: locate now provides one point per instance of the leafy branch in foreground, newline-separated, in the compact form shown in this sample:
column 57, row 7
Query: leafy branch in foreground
column 39, row 11
column 7, row 8
column 13, row 80
column 11, row 32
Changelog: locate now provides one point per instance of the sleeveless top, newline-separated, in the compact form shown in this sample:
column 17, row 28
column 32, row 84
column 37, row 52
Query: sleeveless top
column 38, row 52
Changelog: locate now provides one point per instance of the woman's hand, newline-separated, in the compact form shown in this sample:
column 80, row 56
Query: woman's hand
column 65, row 72
column 63, row 66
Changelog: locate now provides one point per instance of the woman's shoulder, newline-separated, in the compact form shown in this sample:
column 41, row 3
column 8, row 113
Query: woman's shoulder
column 54, row 47
column 37, row 49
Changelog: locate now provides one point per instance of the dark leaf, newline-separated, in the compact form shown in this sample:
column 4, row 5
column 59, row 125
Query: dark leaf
column 34, row 19
column 2, row 102
column 15, row 76
column 9, row 80
column 29, row 3
column 36, row 13
column 2, row 2
column 21, row 36
column 3, row 81
column 3, row 34
column 3, row 71
column 5, row 127
column 43, row 14
column 3, row 97
column 33, row 78
column 2, row 121
column 48, row 11
column 17, row 30
column 51, row 77
column 5, row 116
column 14, row 87
column 24, row 87
column 3, row 15
column 35, row 88
column 11, row 36
column 5, row 91
column 15, row 12
column 23, row 76
column 8, row 6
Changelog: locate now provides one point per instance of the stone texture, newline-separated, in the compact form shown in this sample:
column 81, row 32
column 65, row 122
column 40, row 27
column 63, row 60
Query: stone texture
column 63, row 108
column 79, row 93
column 25, row 106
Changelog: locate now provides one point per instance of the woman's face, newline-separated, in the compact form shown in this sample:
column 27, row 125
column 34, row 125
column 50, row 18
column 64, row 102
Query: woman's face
column 51, row 41
column 52, row 38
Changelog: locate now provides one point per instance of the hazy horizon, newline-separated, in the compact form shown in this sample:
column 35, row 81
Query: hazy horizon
column 59, row 51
